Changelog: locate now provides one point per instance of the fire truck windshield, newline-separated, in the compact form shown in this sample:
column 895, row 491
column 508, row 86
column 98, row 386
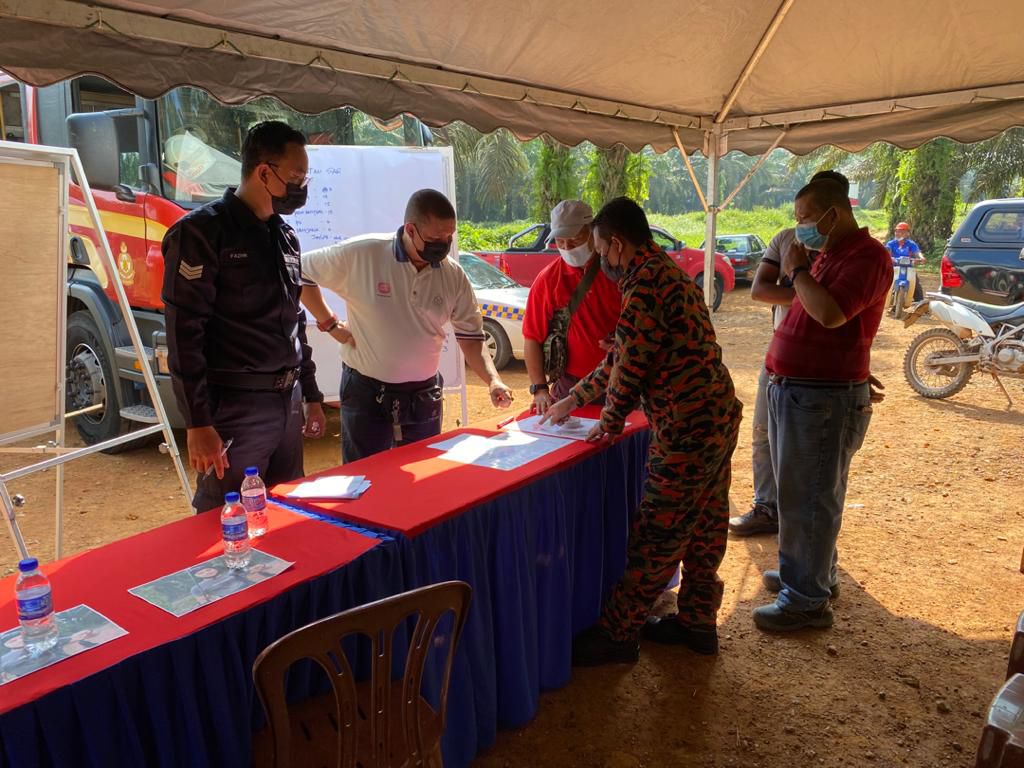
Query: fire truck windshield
column 201, row 139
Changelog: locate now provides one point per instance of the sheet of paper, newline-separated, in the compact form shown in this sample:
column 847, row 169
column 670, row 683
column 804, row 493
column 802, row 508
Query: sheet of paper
column 79, row 629
column 573, row 428
column 186, row 590
column 507, row 451
column 331, row 487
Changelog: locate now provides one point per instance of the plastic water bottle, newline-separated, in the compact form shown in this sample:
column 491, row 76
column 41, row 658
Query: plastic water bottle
column 35, row 608
column 234, row 527
column 254, row 499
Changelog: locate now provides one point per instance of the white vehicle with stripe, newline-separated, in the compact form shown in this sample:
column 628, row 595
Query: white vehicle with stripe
column 503, row 304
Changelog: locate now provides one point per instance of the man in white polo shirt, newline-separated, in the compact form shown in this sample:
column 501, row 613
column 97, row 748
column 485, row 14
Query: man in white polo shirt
column 400, row 290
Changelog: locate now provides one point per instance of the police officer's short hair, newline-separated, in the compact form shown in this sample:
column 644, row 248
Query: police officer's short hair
column 835, row 176
column 624, row 218
column 266, row 142
column 428, row 204
column 826, row 194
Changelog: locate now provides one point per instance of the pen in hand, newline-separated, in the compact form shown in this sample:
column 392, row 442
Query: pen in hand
column 223, row 452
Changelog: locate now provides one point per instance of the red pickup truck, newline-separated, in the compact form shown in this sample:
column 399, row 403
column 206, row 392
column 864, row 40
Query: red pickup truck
column 528, row 253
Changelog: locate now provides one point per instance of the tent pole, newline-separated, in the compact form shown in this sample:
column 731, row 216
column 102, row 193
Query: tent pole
column 713, row 143
column 689, row 167
column 750, row 174
column 755, row 57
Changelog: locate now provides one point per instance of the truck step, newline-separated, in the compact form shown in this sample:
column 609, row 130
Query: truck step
column 141, row 413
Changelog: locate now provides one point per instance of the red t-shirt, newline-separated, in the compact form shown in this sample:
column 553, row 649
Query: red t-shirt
column 594, row 319
column 858, row 274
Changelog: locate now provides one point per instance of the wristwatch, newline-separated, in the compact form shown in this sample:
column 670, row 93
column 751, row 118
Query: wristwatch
column 796, row 271
column 535, row 388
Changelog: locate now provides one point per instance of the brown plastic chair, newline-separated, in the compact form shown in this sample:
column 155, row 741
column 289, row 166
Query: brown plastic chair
column 379, row 723
column 1002, row 739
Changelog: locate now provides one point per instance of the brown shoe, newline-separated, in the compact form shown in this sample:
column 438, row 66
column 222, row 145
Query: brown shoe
column 760, row 519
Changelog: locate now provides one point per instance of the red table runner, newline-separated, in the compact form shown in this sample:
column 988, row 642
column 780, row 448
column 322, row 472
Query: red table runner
column 413, row 489
column 101, row 578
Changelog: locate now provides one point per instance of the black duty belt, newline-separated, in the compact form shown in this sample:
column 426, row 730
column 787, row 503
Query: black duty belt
column 283, row 381
column 792, row 381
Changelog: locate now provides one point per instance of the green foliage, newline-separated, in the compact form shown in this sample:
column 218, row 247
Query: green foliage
column 554, row 178
column 689, row 227
column 488, row 236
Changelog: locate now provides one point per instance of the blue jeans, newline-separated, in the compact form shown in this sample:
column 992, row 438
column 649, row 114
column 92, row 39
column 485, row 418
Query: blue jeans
column 765, row 493
column 813, row 433
column 366, row 425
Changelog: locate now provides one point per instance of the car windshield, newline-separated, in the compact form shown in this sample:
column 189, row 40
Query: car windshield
column 482, row 276
column 732, row 244
column 201, row 139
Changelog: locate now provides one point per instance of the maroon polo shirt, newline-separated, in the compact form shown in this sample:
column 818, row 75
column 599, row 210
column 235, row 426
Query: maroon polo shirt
column 857, row 274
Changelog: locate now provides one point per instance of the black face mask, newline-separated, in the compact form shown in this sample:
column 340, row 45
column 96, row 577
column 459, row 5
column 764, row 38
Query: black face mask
column 434, row 252
column 293, row 199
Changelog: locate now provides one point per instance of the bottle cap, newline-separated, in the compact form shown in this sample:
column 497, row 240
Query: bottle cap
column 231, row 498
column 251, row 471
column 28, row 564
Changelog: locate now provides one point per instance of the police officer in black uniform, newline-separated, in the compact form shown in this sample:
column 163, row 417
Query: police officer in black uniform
column 236, row 333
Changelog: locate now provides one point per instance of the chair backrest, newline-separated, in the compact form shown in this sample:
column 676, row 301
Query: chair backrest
column 1002, row 738
column 321, row 642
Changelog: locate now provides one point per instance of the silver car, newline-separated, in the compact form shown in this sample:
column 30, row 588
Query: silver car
column 503, row 304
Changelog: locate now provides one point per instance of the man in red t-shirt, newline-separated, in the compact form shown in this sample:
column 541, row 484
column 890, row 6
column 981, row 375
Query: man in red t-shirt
column 819, row 397
column 595, row 318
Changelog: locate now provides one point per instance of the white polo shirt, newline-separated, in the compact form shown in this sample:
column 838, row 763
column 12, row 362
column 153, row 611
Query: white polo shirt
column 396, row 313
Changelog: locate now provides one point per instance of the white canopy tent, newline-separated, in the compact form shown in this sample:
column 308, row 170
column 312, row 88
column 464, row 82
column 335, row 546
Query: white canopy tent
column 746, row 75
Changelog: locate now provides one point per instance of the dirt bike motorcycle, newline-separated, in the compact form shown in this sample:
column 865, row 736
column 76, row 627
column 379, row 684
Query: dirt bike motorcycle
column 976, row 337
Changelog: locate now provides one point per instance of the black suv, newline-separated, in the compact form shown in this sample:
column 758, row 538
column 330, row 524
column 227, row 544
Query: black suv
column 984, row 260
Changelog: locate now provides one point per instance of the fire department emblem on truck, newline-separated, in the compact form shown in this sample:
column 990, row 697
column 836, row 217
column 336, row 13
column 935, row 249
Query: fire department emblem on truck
column 125, row 266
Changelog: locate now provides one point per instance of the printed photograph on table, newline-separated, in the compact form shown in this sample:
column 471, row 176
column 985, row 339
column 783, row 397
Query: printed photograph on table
column 186, row 590
column 79, row 629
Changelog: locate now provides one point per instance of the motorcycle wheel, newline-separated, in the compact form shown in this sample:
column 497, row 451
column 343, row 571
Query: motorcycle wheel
column 936, row 381
column 898, row 302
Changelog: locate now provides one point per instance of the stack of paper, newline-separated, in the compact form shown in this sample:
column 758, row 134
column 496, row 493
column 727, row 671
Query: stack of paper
column 331, row 487
column 573, row 428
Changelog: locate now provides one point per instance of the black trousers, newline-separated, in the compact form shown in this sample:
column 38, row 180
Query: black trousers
column 366, row 426
column 267, row 432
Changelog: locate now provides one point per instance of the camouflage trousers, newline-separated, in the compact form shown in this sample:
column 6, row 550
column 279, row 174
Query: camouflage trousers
column 684, row 516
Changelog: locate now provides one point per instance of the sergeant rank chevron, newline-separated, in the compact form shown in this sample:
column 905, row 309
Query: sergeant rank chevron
column 189, row 272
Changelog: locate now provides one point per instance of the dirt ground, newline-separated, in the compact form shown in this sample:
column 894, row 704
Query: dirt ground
column 929, row 555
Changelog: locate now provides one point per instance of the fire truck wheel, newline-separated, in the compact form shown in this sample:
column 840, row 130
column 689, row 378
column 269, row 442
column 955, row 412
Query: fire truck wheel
column 91, row 383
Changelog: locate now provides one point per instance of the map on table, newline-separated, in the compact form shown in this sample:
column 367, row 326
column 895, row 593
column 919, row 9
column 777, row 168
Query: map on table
column 186, row 590
column 78, row 629
column 506, row 451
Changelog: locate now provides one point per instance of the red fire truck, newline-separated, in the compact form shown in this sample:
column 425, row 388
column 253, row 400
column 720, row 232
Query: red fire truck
column 148, row 163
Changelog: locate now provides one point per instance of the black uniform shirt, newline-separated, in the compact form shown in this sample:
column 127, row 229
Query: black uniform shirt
column 231, row 290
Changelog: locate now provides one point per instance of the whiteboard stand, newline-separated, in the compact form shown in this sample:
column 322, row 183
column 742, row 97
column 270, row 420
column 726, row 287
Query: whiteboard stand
column 33, row 412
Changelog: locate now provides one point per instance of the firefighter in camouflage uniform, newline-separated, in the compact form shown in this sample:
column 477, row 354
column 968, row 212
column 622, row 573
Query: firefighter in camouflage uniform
column 667, row 360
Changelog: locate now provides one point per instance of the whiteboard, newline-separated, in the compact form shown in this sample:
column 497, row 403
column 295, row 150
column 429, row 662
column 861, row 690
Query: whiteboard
column 355, row 191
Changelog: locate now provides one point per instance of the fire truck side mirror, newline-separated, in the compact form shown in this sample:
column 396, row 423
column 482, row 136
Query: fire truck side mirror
column 95, row 137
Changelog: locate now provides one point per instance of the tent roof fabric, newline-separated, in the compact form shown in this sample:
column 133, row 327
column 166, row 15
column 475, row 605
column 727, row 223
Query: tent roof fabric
column 816, row 72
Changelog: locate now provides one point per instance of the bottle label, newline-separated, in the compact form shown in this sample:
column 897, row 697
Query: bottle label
column 235, row 529
column 34, row 608
column 254, row 503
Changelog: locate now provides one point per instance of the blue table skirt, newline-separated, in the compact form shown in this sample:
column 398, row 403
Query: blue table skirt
column 189, row 703
column 541, row 560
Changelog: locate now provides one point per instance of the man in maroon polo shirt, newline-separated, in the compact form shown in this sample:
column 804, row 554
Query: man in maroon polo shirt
column 595, row 317
column 819, row 397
